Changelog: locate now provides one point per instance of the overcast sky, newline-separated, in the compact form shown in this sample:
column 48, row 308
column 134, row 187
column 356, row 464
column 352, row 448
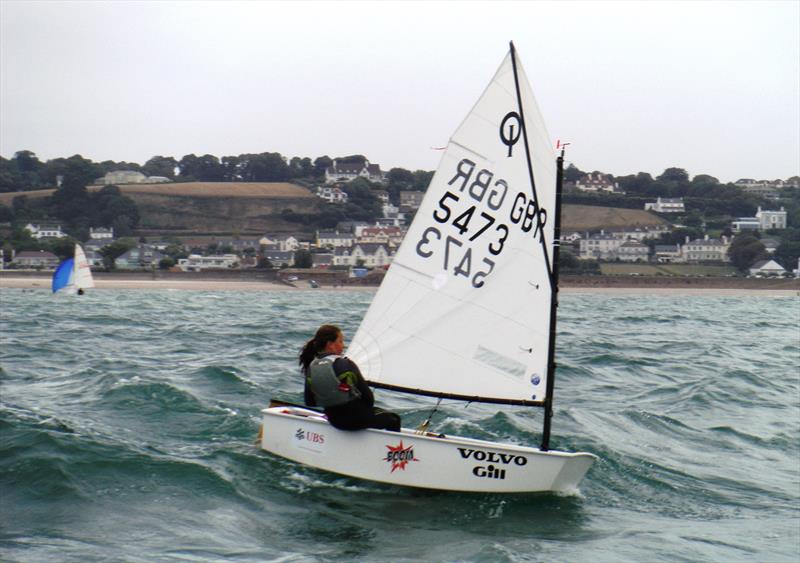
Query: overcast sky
column 711, row 87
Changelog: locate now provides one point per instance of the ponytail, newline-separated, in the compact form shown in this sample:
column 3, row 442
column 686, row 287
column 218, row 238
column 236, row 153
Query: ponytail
column 325, row 334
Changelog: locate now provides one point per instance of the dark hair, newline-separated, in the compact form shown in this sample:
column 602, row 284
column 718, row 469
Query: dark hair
column 325, row 334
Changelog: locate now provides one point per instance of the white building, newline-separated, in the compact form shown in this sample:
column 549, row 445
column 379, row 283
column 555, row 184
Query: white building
column 101, row 233
column 348, row 171
column 764, row 219
column 129, row 177
column 633, row 251
column 282, row 243
column 666, row 205
column 767, row 268
column 331, row 195
column 597, row 182
column 197, row 263
column 771, row 219
column 600, row 247
column 668, row 253
column 334, row 239
column 706, row 249
column 45, row 231
column 364, row 254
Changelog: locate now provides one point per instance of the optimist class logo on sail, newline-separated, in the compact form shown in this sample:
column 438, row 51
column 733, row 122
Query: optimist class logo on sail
column 476, row 215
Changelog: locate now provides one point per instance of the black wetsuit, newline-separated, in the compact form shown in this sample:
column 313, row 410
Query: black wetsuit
column 359, row 413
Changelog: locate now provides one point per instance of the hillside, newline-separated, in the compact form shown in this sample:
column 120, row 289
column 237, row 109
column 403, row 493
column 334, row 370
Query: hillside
column 274, row 190
column 210, row 206
column 592, row 218
column 256, row 208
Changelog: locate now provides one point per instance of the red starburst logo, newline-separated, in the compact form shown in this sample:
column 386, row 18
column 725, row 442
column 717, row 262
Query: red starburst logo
column 399, row 456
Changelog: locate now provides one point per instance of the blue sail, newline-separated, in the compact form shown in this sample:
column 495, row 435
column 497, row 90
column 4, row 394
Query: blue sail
column 63, row 274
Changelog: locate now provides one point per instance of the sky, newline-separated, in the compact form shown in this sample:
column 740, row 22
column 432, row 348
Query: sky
column 710, row 87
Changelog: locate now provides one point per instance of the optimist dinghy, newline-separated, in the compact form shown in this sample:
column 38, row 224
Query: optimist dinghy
column 466, row 312
column 73, row 274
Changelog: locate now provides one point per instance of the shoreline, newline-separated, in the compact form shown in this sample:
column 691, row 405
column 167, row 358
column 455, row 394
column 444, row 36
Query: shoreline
column 615, row 286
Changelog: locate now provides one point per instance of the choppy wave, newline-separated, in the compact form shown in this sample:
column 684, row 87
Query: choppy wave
column 128, row 419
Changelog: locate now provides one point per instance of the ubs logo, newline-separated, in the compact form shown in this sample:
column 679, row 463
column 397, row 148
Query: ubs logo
column 510, row 130
column 308, row 436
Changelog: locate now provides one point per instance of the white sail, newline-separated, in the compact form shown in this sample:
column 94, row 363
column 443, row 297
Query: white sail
column 82, row 274
column 464, row 309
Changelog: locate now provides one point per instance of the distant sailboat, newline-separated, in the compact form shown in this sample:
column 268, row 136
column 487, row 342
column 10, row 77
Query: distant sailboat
column 73, row 275
column 466, row 312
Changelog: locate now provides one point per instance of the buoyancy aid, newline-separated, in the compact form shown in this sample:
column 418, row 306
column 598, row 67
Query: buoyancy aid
column 328, row 389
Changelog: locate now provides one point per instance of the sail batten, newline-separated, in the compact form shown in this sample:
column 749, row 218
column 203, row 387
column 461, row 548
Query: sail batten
column 464, row 310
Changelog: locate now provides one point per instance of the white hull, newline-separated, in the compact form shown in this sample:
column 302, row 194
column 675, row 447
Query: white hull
column 413, row 460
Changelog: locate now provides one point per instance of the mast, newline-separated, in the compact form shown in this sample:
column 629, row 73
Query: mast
column 551, row 353
column 552, row 265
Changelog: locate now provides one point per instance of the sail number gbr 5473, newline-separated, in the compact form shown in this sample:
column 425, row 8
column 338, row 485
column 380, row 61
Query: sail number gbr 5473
column 477, row 214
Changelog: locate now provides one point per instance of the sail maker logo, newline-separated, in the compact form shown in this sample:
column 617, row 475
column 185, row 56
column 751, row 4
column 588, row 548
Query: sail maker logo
column 499, row 458
column 399, row 456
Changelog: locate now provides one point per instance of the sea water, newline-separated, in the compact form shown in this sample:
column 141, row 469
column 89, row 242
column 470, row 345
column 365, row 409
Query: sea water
column 128, row 420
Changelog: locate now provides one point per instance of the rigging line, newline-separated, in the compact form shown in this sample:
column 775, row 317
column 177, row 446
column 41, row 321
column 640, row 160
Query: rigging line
column 424, row 426
column 539, row 223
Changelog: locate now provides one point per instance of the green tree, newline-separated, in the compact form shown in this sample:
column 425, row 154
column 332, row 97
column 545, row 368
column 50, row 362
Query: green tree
column 746, row 250
column 678, row 175
column 160, row 166
column 302, row 258
column 321, row 164
column 166, row 263
column 112, row 251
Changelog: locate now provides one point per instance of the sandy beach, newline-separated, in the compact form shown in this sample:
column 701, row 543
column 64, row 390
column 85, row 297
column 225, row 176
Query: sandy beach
column 210, row 284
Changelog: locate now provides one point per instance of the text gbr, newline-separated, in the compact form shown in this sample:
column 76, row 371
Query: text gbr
column 483, row 188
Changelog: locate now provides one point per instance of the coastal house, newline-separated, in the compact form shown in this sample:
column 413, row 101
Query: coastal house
column 280, row 258
column 638, row 233
column 668, row 253
column 43, row 230
column 378, row 234
column 36, row 259
column 348, row 171
column 597, row 182
column 633, row 251
column 666, row 205
column 129, row 177
column 334, row 239
column 101, row 233
column 601, row 246
column 369, row 255
column 410, row 200
column 771, row 219
column 321, row 260
column 285, row 243
column 706, row 249
column 764, row 219
column 745, row 224
column 767, row 268
column 197, row 263
column 332, row 194
column 141, row 257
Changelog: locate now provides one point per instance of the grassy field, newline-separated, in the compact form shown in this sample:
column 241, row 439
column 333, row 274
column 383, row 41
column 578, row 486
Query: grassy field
column 272, row 190
column 677, row 270
column 590, row 218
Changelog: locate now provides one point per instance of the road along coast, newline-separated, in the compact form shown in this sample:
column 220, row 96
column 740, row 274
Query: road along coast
column 624, row 285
